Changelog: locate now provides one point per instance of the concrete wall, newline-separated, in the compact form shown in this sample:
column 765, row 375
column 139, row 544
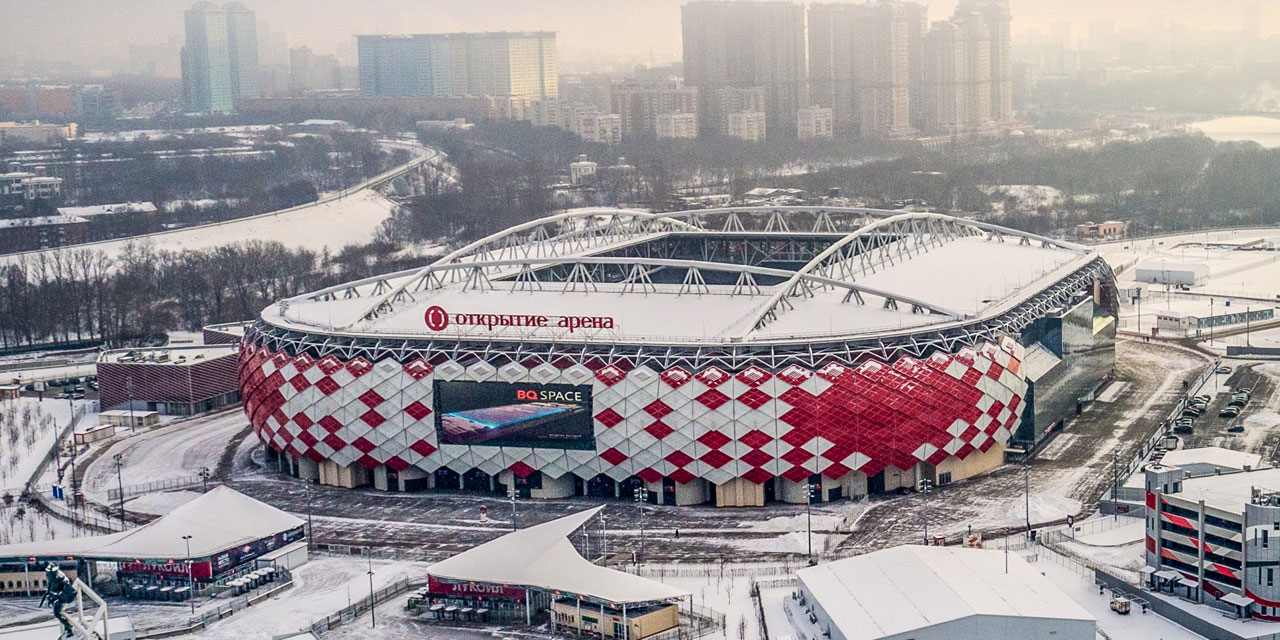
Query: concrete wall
column 739, row 492
column 308, row 469
column 561, row 487
column 792, row 492
column 974, row 464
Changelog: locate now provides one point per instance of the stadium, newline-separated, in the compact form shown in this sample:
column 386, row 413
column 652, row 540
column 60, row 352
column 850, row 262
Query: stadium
column 728, row 356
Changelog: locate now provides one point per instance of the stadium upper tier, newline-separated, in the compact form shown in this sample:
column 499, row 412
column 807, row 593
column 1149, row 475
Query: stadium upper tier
column 742, row 276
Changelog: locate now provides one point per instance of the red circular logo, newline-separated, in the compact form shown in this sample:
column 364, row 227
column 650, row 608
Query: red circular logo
column 437, row 318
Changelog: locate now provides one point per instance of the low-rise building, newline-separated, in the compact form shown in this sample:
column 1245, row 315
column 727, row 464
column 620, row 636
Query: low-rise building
column 129, row 419
column 36, row 131
column 581, row 171
column 747, row 125
column 170, row 380
column 41, row 232
column 94, row 211
column 1110, row 229
column 1172, row 273
column 813, row 122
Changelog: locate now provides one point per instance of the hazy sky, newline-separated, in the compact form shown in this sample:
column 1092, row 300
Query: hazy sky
column 99, row 31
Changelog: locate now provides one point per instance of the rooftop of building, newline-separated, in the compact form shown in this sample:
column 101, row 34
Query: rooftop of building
column 40, row 221
column 168, row 355
column 1229, row 492
column 896, row 591
column 108, row 209
column 893, row 272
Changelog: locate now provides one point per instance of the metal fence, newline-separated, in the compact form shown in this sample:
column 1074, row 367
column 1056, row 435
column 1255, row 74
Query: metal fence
column 186, row 482
column 359, row 607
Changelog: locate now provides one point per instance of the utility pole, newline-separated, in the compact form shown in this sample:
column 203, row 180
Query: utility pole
column 119, row 461
column 191, row 576
column 604, row 537
column 310, row 531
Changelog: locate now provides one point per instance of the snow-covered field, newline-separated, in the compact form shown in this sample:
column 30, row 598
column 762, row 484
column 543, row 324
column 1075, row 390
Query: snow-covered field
column 28, row 429
column 160, row 503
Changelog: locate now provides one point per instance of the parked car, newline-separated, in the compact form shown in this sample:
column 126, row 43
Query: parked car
column 1229, row 412
column 1191, row 412
column 1182, row 428
column 1224, row 369
column 1235, row 428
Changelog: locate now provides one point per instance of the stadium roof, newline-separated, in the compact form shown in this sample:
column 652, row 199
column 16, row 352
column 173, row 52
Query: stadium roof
column 908, row 588
column 542, row 557
column 219, row 520
column 864, row 273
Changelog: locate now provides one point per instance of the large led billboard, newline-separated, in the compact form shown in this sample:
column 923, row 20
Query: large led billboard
column 500, row 414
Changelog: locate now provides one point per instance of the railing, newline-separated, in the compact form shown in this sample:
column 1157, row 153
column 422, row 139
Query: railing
column 359, row 607
column 738, row 570
column 185, row 482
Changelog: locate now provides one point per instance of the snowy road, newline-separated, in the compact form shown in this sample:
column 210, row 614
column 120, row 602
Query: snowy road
column 164, row 453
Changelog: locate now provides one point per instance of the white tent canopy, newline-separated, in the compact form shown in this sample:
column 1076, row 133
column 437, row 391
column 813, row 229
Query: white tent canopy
column 542, row 557
column 219, row 520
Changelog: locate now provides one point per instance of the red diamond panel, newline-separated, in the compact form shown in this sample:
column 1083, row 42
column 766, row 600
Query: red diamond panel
column 363, row 445
column 609, row 418
column 712, row 377
column 757, row 475
column 522, row 470
column 331, row 425
column 659, row 429
column 679, row 458
column 373, row 418
column 417, row 410
column 423, row 448
column 756, row 458
column 712, row 398
column 610, row 375
column 675, row 377
column 649, row 475
column 754, row 398
column 755, row 439
column 613, row 456
column 682, row 476
column 753, row 376
column 657, row 409
column 715, row 458
column 326, row 385
column 371, row 398
column 397, row 464
column 714, row 439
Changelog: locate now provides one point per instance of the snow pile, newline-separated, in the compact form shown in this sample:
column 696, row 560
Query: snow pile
column 794, row 542
column 1126, row 533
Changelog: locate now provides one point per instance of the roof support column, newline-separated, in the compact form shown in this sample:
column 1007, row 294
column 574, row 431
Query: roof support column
column 578, row 627
column 1200, row 556
column 528, row 611
column 626, row 624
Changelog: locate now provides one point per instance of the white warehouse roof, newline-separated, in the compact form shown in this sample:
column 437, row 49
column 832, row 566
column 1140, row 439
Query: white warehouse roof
column 909, row 588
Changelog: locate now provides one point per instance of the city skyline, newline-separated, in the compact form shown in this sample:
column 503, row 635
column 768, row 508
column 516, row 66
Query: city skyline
column 644, row 29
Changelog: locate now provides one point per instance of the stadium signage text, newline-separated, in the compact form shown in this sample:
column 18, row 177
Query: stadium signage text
column 438, row 319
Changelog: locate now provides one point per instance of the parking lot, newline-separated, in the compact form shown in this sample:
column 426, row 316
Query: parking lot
column 1259, row 417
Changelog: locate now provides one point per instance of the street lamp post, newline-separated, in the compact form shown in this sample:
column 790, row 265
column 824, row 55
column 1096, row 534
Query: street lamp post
column 1026, row 484
column 191, row 576
column 129, row 385
column 925, row 487
column 512, row 493
column 641, row 497
column 119, row 461
column 373, row 620
column 204, row 479
column 1115, row 484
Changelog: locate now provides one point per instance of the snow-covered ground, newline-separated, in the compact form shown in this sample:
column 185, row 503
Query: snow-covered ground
column 160, row 502
column 28, row 429
column 321, row 587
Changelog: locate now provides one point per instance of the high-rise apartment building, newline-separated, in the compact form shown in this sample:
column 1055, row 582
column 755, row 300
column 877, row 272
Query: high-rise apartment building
column 459, row 64
column 311, row 72
column 640, row 104
column 865, row 63
column 220, row 58
column 745, row 44
column 997, row 20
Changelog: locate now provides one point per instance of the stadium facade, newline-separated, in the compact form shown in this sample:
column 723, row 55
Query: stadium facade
column 733, row 356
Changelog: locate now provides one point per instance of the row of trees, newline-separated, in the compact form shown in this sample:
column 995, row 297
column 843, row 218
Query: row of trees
column 77, row 295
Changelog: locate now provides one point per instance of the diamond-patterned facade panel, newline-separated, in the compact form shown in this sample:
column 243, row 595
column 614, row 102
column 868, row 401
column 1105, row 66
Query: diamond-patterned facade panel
column 710, row 424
